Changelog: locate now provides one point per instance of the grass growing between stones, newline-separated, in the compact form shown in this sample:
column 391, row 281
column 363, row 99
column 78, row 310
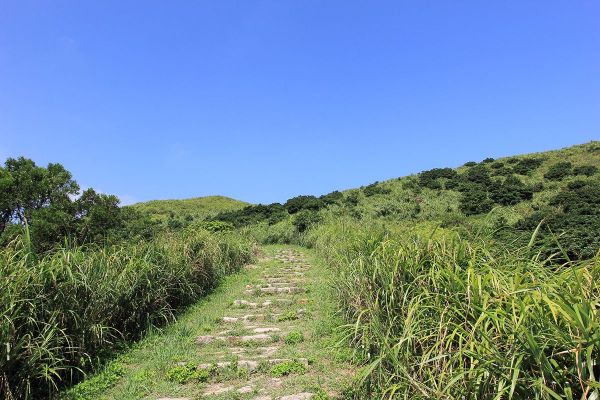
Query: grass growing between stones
column 299, row 358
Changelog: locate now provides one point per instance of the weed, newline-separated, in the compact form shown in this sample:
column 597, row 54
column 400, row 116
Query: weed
column 294, row 337
column 287, row 368
column 186, row 373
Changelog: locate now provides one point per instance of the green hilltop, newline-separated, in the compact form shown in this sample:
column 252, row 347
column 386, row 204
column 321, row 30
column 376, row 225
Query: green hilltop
column 196, row 208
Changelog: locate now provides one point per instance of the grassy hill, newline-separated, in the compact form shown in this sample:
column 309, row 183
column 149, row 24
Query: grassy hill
column 196, row 208
column 409, row 198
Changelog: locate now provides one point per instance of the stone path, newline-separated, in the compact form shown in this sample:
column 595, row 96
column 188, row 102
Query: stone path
column 255, row 351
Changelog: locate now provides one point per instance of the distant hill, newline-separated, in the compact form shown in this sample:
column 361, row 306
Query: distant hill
column 196, row 208
column 432, row 195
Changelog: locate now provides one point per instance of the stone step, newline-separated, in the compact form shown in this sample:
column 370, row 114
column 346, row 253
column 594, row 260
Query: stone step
column 266, row 303
column 276, row 290
column 251, row 365
column 255, row 352
column 299, row 396
column 256, row 338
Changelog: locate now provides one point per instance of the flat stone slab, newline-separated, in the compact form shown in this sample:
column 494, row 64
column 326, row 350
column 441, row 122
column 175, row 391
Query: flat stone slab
column 299, row 396
column 266, row 330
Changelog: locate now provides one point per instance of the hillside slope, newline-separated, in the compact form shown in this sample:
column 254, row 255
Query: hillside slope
column 196, row 208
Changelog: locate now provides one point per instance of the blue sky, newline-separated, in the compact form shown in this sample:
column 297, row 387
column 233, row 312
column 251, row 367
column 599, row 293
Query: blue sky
column 265, row 100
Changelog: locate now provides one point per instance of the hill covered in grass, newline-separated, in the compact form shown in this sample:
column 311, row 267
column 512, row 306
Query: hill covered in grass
column 188, row 209
column 509, row 195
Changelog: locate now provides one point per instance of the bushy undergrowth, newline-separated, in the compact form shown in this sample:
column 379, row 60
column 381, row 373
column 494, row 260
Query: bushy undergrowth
column 61, row 312
column 438, row 316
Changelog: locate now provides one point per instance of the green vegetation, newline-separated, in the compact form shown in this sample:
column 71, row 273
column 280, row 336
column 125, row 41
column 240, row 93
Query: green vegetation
column 188, row 372
column 178, row 213
column 287, row 367
column 433, row 315
column 62, row 312
column 476, row 282
column 294, row 337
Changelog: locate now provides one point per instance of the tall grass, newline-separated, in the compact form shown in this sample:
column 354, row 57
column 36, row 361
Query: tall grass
column 438, row 316
column 62, row 312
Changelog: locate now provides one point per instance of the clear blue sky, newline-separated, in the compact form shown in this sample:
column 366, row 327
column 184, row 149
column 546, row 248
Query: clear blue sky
column 264, row 100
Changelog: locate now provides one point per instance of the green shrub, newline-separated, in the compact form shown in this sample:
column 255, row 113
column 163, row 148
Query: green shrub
column 510, row 192
column 558, row 171
column 299, row 203
column 334, row 197
column 475, row 200
column 374, row 189
column 287, row 368
column 430, row 178
column 526, row 166
column 587, row 170
column 478, row 175
column 294, row 337
column 186, row 373
column 306, row 219
column 570, row 227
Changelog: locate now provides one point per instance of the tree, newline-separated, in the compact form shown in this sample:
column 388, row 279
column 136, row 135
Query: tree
column 332, row 198
column 296, row 204
column 306, row 219
column 28, row 188
column 475, row 200
column 97, row 214
column 511, row 191
column 559, row 171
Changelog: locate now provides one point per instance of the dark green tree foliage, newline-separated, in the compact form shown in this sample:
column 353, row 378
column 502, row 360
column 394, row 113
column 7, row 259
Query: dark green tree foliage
column 431, row 178
column 587, row 170
column 574, row 221
column 299, row 203
column 43, row 200
column 488, row 160
column 475, row 200
column 304, row 219
column 27, row 188
column 470, row 164
column 559, row 171
column 352, row 199
column 271, row 213
column 526, row 166
column 374, row 189
column 478, row 175
column 511, row 191
column 334, row 197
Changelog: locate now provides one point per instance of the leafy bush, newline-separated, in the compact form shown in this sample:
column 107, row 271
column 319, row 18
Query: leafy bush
column 587, row 170
column 429, row 179
column 475, row 200
column 559, row 171
column 271, row 213
column 571, row 226
column 479, row 175
column 352, row 199
column 526, row 166
column 294, row 337
column 287, row 368
column 374, row 189
column 299, row 203
column 305, row 219
column 334, row 197
column 510, row 192
column 470, row 164
column 185, row 373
